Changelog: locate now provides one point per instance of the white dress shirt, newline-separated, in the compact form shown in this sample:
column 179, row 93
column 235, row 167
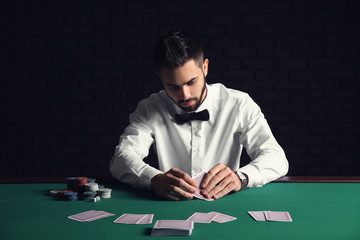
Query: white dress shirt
column 236, row 121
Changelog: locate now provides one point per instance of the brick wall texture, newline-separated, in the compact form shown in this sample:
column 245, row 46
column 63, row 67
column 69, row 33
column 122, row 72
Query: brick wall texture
column 72, row 71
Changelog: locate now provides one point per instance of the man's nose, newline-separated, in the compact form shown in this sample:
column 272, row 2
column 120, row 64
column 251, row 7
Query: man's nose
column 185, row 92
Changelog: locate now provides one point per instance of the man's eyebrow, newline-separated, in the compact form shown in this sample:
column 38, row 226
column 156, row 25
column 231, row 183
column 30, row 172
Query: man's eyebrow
column 193, row 79
column 174, row 85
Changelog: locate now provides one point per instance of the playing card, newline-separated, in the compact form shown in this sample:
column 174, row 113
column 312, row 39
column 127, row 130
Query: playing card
column 172, row 228
column 147, row 219
column 198, row 195
column 257, row 215
column 278, row 216
column 102, row 214
column 89, row 215
column 222, row 218
column 174, row 224
column 83, row 216
column 202, row 217
column 198, row 178
column 130, row 218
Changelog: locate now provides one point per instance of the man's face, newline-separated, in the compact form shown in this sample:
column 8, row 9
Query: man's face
column 185, row 85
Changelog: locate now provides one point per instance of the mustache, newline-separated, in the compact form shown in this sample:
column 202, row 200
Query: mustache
column 187, row 100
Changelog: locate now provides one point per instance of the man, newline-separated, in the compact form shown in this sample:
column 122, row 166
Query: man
column 195, row 127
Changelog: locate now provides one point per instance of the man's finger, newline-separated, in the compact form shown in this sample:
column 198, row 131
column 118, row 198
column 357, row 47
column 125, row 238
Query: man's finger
column 211, row 174
column 183, row 175
column 182, row 180
column 222, row 172
column 178, row 192
column 174, row 184
column 170, row 196
column 230, row 187
column 223, row 186
column 216, row 184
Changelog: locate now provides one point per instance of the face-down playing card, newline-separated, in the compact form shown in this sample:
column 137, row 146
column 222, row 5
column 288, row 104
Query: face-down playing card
column 90, row 216
column 202, row 217
column 172, row 228
column 135, row 218
column 198, row 178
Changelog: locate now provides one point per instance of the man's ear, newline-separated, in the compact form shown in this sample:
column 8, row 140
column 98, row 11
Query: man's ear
column 205, row 66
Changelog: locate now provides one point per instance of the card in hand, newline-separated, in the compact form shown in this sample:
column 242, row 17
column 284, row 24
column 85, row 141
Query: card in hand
column 198, row 178
column 202, row 217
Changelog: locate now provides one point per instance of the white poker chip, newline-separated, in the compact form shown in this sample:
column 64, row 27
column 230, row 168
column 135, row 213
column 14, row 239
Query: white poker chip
column 95, row 199
column 91, row 187
column 53, row 193
column 104, row 192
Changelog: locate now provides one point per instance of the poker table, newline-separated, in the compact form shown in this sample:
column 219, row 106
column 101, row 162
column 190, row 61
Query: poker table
column 321, row 208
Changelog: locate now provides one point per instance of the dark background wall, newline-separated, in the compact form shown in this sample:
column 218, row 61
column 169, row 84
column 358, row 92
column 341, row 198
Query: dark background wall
column 72, row 71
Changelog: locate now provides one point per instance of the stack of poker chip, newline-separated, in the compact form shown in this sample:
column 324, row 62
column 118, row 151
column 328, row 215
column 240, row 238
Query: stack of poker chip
column 91, row 180
column 66, row 195
column 82, row 188
column 70, row 196
column 88, row 195
column 104, row 193
column 91, row 187
column 76, row 184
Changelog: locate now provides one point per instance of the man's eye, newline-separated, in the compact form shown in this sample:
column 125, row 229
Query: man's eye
column 173, row 87
column 191, row 83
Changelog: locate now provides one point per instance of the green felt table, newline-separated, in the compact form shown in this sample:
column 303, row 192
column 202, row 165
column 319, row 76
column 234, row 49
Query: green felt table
column 319, row 211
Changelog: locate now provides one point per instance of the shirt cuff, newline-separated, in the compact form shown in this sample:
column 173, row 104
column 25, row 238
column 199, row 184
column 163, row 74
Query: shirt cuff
column 252, row 175
column 146, row 176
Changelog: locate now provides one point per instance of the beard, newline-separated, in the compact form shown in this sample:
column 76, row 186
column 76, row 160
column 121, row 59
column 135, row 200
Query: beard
column 198, row 101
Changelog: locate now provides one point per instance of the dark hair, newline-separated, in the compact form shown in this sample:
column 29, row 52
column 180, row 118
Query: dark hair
column 175, row 49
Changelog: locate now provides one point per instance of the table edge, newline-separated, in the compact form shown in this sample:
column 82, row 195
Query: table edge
column 318, row 179
column 285, row 179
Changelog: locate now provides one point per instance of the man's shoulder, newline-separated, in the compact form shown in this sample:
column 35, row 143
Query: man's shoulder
column 221, row 91
column 151, row 108
column 155, row 99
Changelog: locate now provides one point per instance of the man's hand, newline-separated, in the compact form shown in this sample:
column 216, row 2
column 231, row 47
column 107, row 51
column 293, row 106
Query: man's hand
column 174, row 184
column 219, row 181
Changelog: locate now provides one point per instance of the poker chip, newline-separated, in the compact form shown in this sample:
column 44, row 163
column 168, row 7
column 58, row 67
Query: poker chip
column 76, row 184
column 53, row 193
column 92, row 187
column 60, row 195
column 96, row 199
column 81, row 188
column 104, row 193
column 86, row 196
column 70, row 182
column 70, row 196
column 91, row 180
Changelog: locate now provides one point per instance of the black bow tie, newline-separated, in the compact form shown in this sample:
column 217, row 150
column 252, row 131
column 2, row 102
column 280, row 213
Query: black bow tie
column 183, row 118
